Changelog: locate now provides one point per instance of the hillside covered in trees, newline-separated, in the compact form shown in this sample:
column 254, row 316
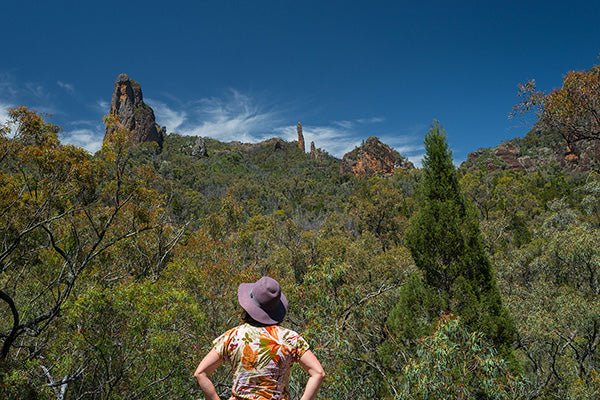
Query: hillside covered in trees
column 118, row 269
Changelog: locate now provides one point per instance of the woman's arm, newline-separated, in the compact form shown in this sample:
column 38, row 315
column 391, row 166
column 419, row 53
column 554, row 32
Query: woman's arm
column 311, row 364
column 206, row 367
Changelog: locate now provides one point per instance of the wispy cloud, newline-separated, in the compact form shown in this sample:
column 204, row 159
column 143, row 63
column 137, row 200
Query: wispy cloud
column 4, row 118
column 408, row 148
column 167, row 116
column 32, row 94
column 84, row 122
column 38, row 91
column 345, row 124
column 101, row 106
column 4, row 112
column 89, row 139
column 372, row 120
column 68, row 87
column 354, row 123
column 234, row 117
column 8, row 88
column 417, row 159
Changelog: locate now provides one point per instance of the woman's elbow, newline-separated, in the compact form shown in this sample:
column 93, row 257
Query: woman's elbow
column 200, row 373
column 318, row 374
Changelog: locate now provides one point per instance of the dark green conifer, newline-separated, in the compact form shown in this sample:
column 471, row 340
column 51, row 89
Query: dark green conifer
column 446, row 244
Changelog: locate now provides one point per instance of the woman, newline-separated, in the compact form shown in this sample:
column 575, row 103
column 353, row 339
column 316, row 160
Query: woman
column 261, row 352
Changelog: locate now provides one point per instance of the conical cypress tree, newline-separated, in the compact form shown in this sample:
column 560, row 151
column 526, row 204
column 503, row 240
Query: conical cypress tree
column 446, row 244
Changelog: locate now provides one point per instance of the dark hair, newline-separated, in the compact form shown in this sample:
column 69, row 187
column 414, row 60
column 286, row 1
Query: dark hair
column 249, row 320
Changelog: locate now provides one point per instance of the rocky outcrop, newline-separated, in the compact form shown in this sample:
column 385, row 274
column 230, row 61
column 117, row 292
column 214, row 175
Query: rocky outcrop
column 583, row 155
column 128, row 106
column 278, row 144
column 373, row 157
column 199, row 150
column 274, row 143
column 301, row 145
column 537, row 150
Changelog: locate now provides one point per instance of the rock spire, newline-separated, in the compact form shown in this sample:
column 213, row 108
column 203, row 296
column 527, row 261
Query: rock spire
column 300, row 137
column 313, row 151
column 128, row 106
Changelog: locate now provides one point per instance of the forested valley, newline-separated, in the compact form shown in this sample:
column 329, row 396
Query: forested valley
column 118, row 269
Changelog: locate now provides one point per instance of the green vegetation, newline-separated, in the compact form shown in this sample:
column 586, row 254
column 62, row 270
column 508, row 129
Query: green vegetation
column 453, row 363
column 118, row 269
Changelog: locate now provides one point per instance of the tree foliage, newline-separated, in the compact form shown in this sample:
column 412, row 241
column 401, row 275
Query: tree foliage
column 572, row 110
column 453, row 363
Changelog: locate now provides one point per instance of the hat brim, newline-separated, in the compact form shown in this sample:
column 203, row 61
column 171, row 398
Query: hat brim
column 267, row 317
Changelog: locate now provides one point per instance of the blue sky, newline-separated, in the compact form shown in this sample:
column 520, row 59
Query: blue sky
column 249, row 70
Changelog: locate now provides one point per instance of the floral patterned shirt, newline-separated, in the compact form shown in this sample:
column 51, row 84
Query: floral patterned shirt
column 261, row 359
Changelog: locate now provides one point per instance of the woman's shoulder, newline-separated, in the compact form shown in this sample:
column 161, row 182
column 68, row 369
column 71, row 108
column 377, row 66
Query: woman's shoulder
column 297, row 344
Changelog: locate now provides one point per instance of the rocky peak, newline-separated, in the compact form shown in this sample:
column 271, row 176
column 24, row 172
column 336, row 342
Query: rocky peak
column 373, row 157
column 128, row 106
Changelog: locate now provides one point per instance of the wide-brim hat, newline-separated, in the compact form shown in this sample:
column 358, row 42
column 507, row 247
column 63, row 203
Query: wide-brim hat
column 263, row 300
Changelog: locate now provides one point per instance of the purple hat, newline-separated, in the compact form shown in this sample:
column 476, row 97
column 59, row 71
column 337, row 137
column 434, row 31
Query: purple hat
column 263, row 300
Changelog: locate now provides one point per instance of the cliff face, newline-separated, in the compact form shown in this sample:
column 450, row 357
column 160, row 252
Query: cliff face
column 373, row 158
column 128, row 106
column 537, row 150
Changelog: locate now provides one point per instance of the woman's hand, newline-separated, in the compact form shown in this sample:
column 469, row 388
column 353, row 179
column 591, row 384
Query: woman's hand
column 311, row 364
column 206, row 367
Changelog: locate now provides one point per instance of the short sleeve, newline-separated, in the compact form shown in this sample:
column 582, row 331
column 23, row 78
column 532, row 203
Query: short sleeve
column 299, row 347
column 222, row 343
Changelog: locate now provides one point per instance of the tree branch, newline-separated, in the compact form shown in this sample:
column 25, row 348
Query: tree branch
column 10, row 338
